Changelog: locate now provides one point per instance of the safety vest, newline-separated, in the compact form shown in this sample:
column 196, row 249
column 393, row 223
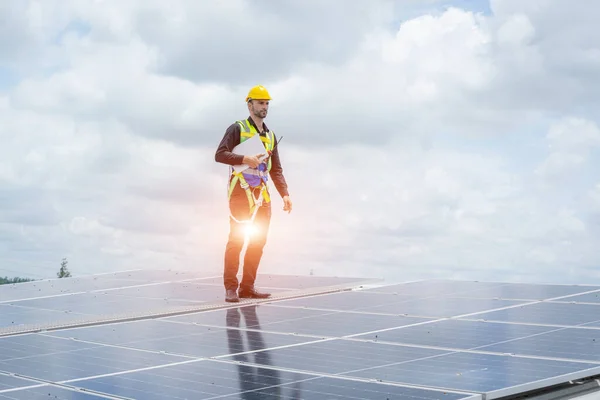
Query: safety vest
column 252, row 178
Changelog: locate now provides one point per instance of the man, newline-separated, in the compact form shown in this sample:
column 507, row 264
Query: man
column 246, row 191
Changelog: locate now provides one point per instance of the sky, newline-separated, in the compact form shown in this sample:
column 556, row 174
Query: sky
column 423, row 139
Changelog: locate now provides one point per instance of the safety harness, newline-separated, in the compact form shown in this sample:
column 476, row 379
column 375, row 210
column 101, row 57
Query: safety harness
column 253, row 179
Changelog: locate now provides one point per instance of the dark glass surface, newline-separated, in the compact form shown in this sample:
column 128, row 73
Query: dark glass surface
column 562, row 314
column 287, row 282
column 158, row 275
column 569, row 343
column 49, row 393
column 187, row 339
column 33, row 345
column 335, row 356
column 456, row 333
column 584, row 298
column 81, row 307
column 124, row 333
column 345, row 301
column 488, row 290
column 342, row 324
column 277, row 335
column 527, row 291
column 476, row 372
column 82, row 362
column 58, row 287
column 186, row 291
column 196, row 380
column 13, row 317
column 439, row 307
column 209, row 379
column 335, row 388
column 304, row 282
column 11, row 382
column 159, row 283
column 302, row 321
column 268, row 314
column 101, row 304
column 435, row 287
column 595, row 324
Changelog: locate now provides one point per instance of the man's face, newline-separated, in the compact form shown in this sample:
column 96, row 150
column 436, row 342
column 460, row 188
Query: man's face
column 259, row 108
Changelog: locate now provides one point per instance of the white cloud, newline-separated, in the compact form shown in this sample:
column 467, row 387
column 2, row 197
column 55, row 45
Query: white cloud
column 570, row 143
column 401, row 135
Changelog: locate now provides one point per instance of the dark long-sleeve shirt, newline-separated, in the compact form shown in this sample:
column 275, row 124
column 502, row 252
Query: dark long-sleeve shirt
column 231, row 139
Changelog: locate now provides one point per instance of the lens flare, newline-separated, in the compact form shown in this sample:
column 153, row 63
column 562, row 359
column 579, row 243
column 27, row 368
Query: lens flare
column 250, row 230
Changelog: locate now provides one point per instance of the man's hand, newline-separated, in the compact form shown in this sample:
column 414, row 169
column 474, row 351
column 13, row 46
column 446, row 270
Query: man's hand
column 252, row 161
column 287, row 204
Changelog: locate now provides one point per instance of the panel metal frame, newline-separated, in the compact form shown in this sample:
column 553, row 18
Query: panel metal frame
column 174, row 311
column 299, row 293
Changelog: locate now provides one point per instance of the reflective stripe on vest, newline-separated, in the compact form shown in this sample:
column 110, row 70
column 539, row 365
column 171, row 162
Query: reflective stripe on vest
column 253, row 178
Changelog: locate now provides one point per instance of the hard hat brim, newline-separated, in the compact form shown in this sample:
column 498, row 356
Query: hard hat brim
column 257, row 98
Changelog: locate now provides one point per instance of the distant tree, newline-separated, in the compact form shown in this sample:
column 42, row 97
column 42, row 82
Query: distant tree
column 64, row 271
column 6, row 280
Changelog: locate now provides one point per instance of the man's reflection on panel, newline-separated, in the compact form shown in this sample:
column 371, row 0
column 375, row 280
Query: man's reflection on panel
column 252, row 378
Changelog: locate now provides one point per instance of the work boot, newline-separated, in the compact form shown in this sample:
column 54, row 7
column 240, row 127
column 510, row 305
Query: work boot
column 231, row 296
column 251, row 293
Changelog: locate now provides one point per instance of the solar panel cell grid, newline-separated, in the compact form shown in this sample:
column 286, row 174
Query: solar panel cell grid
column 10, row 382
column 346, row 301
column 188, row 291
column 341, row 324
column 441, row 307
column 49, row 288
column 593, row 297
column 268, row 315
column 210, row 380
column 197, row 380
column 456, row 334
column 98, row 304
column 79, row 360
column 594, row 324
column 435, row 287
column 12, row 316
column 19, row 347
column 337, row 356
column 550, row 313
column 274, row 351
column 483, row 373
column 49, row 392
column 523, row 291
column 567, row 343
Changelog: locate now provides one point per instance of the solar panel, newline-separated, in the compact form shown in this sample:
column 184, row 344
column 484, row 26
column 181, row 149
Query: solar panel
column 8, row 382
column 220, row 380
column 108, row 297
column 160, row 335
column 82, row 360
column 50, row 392
column 561, row 343
column 547, row 313
column 494, row 375
column 593, row 297
column 434, row 287
column 347, row 301
column 456, row 334
column 592, row 324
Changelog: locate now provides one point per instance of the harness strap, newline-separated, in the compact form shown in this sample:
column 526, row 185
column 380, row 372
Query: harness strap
column 254, row 202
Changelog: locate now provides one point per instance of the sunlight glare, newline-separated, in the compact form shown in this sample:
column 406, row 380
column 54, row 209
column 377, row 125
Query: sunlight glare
column 250, row 230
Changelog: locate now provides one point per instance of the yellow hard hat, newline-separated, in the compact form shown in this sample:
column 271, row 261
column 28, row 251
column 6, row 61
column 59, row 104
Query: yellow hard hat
column 258, row 93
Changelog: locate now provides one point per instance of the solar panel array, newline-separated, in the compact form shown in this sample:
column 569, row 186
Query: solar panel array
column 166, row 335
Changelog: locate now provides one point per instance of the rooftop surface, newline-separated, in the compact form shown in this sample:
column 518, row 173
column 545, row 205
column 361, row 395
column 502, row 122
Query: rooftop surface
column 170, row 335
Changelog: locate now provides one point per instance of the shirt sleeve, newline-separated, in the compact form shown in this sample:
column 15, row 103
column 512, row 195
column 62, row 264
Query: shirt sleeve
column 231, row 138
column 277, row 173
